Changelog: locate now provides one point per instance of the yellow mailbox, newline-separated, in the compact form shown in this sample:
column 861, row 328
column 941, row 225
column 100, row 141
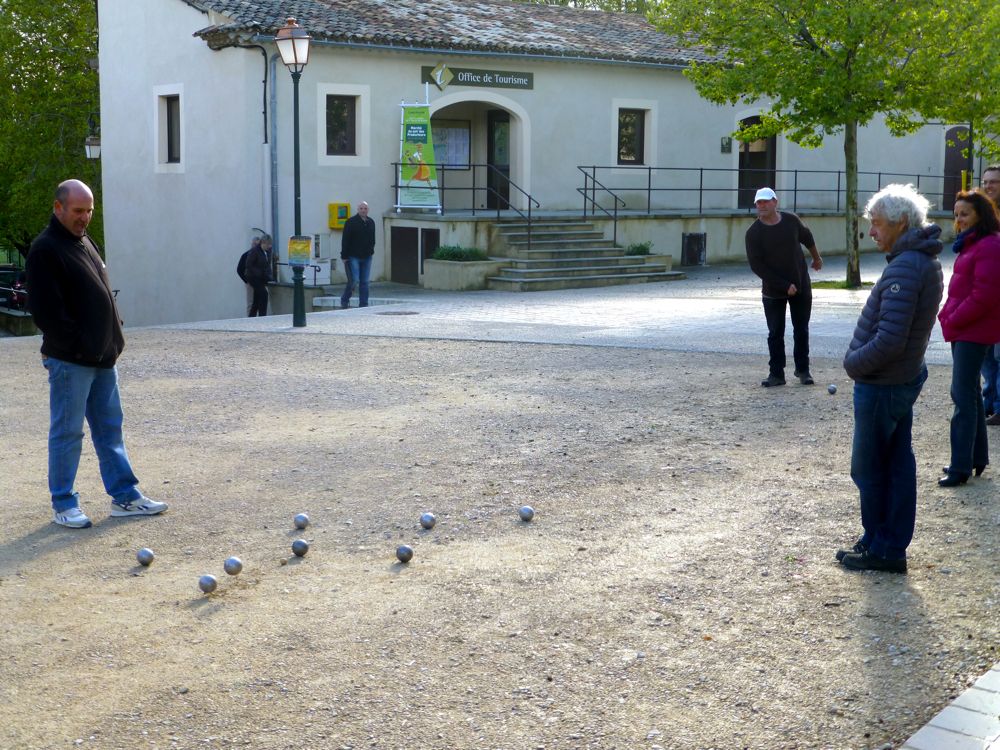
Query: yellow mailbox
column 339, row 214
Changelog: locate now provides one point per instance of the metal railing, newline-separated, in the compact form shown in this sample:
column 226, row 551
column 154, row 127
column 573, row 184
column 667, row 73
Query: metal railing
column 703, row 189
column 464, row 196
column 315, row 269
column 589, row 192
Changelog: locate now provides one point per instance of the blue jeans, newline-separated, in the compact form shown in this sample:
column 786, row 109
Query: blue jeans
column 883, row 466
column 969, row 446
column 991, row 380
column 800, row 307
column 76, row 392
column 358, row 270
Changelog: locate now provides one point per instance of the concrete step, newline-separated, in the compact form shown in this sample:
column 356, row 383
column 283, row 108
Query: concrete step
column 538, row 235
column 500, row 283
column 592, row 260
column 564, row 271
column 522, row 226
column 551, row 253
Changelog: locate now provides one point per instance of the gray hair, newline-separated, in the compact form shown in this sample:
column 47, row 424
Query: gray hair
column 899, row 203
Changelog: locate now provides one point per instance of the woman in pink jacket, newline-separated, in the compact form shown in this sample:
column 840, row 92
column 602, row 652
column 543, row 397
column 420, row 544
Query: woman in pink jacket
column 970, row 320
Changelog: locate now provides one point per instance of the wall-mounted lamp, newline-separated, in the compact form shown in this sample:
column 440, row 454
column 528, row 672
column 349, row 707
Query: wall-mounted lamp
column 726, row 144
column 92, row 145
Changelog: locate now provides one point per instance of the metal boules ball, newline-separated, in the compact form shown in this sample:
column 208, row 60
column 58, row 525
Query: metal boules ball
column 300, row 547
column 404, row 553
column 207, row 583
column 831, row 389
column 301, row 521
column 233, row 566
column 526, row 513
column 427, row 520
column 145, row 556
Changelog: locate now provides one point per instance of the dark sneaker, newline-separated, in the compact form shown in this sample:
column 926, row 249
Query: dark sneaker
column 773, row 380
column 858, row 548
column 804, row 377
column 141, row 506
column 994, row 420
column 867, row 561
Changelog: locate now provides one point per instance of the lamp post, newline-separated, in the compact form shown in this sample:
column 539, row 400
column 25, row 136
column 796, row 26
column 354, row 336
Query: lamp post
column 293, row 46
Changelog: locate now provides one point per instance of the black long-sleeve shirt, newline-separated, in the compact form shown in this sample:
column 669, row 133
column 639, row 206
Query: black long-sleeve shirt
column 70, row 299
column 776, row 257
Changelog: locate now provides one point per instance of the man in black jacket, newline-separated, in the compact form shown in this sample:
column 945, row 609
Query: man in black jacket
column 70, row 299
column 357, row 246
column 258, row 273
column 886, row 361
column 773, row 250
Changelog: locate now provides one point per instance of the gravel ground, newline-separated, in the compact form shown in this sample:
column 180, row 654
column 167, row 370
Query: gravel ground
column 677, row 588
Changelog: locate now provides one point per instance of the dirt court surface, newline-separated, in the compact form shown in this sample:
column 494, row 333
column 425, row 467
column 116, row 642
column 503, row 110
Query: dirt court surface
column 677, row 588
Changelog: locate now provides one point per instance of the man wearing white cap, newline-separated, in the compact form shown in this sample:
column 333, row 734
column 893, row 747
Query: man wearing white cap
column 773, row 250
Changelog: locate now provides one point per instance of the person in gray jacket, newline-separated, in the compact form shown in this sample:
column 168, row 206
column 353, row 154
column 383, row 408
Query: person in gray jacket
column 886, row 361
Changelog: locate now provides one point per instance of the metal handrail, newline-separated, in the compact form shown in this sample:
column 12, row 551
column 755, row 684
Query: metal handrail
column 315, row 269
column 791, row 183
column 502, row 202
column 592, row 199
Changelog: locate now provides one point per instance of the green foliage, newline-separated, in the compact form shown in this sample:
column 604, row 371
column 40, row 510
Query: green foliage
column 48, row 92
column 456, row 252
column 639, row 248
column 817, row 67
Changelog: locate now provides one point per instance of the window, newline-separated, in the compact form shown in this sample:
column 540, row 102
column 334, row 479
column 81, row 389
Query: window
column 631, row 136
column 341, row 125
column 173, row 121
column 168, row 124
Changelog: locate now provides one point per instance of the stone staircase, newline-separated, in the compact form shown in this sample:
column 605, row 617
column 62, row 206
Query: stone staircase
column 567, row 254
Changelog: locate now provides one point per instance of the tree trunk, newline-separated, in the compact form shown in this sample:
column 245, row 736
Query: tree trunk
column 851, row 209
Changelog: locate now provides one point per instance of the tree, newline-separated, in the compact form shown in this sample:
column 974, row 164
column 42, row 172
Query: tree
column 829, row 66
column 49, row 97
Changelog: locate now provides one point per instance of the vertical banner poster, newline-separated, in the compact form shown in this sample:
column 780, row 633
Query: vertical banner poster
column 418, row 185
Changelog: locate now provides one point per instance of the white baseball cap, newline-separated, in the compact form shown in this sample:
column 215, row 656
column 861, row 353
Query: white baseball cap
column 765, row 194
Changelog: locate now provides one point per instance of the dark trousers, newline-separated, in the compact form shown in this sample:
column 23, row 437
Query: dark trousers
column 883, row 465
column 969, row 446
column 258, row 307
column 800, row 307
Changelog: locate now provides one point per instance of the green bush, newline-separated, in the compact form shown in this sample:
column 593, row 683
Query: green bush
column 456, row 252
column 639, row 248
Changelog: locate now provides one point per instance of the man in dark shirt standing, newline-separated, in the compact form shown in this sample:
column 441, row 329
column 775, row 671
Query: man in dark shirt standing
column 773, row 250
column 357, row 247
column 71, row 301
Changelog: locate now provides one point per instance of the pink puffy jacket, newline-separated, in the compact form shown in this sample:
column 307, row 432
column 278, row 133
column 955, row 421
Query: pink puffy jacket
column 972, row 311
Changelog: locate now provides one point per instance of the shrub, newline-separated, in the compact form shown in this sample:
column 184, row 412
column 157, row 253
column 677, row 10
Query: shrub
column 639, row 248
column 456, row 252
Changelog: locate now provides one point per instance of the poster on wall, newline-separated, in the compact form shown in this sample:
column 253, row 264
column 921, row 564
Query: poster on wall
column 418, row 182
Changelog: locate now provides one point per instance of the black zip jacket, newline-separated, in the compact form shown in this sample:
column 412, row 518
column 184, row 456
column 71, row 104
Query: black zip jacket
column 70, row 299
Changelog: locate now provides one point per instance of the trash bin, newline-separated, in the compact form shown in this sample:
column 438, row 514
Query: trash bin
column 694, row 247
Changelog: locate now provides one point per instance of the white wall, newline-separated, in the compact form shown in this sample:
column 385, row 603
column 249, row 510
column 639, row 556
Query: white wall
column 173, row 237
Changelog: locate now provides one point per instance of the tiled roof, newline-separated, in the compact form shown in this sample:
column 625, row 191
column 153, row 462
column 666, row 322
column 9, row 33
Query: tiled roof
column 485, row 26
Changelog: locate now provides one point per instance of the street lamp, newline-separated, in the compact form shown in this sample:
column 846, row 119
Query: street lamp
column 92, row 145
column 293, row 46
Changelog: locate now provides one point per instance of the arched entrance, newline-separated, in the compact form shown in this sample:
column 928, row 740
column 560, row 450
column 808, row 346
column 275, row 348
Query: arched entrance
column 756, row 165
column 484, row 145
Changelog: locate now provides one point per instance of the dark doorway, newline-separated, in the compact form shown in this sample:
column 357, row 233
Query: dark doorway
column 757, row 165
column 957, row 157
column 498, row 157
column 430, row 240
column 405, row 255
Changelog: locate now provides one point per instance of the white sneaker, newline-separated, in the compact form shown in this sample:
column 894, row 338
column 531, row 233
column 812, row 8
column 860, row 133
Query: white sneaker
column 73, row 518
column 141, row 506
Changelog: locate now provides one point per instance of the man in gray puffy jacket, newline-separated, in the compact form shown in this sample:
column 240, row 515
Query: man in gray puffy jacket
column 886, row 362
